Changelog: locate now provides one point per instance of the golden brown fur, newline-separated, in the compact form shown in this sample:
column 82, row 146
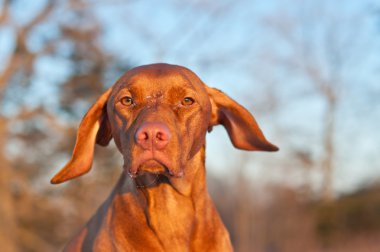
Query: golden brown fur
column 158, row 116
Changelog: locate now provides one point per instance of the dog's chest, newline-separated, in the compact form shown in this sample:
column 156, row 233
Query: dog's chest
column 171, row 216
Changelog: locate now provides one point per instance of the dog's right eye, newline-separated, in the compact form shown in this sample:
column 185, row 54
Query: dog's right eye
column 126, row 101
column 187, row 101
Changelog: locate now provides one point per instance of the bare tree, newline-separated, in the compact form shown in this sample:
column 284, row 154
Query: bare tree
column 320, row 52
column 20, row 62
column 24, row 206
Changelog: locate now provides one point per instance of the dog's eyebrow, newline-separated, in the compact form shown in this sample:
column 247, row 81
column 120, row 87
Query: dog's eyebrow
column 184, row 85
column 121, row 91
column 183, row 90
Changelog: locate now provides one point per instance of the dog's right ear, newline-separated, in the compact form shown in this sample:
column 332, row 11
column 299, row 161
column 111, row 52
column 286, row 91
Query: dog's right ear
column 94, row 128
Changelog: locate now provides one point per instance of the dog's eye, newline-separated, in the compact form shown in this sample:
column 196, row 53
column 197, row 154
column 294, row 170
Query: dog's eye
column 187, row 101
column 126, row 101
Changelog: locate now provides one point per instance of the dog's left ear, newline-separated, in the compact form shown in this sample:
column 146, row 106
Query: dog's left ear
column 94, row 128
column 241, row 126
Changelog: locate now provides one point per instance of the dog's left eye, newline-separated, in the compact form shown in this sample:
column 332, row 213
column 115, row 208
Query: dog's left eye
column 187, row 101
column 126, row 101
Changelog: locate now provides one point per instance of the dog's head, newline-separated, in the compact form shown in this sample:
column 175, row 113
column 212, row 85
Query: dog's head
column 158, row 116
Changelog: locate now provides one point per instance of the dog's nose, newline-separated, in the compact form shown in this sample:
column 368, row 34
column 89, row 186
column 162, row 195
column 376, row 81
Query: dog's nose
column 152, row 135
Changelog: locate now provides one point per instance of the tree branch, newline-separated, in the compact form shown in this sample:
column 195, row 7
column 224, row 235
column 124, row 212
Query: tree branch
column 4, row 13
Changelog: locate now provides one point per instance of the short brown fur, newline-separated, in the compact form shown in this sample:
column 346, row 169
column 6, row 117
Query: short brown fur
column 161, row 202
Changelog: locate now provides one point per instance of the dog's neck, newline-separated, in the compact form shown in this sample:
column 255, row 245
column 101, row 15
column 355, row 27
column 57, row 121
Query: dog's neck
column 169, row 204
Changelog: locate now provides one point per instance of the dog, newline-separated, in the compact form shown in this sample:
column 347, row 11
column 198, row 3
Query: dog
column 158, row 115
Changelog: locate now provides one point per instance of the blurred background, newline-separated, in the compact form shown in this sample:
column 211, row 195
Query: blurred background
column 309, row 71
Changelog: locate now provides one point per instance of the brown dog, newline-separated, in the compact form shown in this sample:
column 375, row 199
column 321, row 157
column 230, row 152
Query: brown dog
column 158, row 116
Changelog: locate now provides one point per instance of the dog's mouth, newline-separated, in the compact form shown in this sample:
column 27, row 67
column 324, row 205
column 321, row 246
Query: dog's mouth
column 153, row 166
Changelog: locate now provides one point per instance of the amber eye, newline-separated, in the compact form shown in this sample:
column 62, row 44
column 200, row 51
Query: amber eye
column 187, row 101
column 126, row 101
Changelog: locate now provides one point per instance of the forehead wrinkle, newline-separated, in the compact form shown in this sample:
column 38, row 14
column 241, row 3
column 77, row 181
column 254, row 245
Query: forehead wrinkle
column 161, row 82
column 155, row 79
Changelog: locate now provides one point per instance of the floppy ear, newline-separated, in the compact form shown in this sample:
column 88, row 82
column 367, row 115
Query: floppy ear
column 94, row 128
column 241, row 126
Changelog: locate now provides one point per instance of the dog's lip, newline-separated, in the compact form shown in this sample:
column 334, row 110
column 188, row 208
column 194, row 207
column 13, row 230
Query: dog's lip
column 167, row 164
column 149, row 164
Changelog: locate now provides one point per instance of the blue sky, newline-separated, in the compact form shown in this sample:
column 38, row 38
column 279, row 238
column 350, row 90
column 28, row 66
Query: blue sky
column 232, row 46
